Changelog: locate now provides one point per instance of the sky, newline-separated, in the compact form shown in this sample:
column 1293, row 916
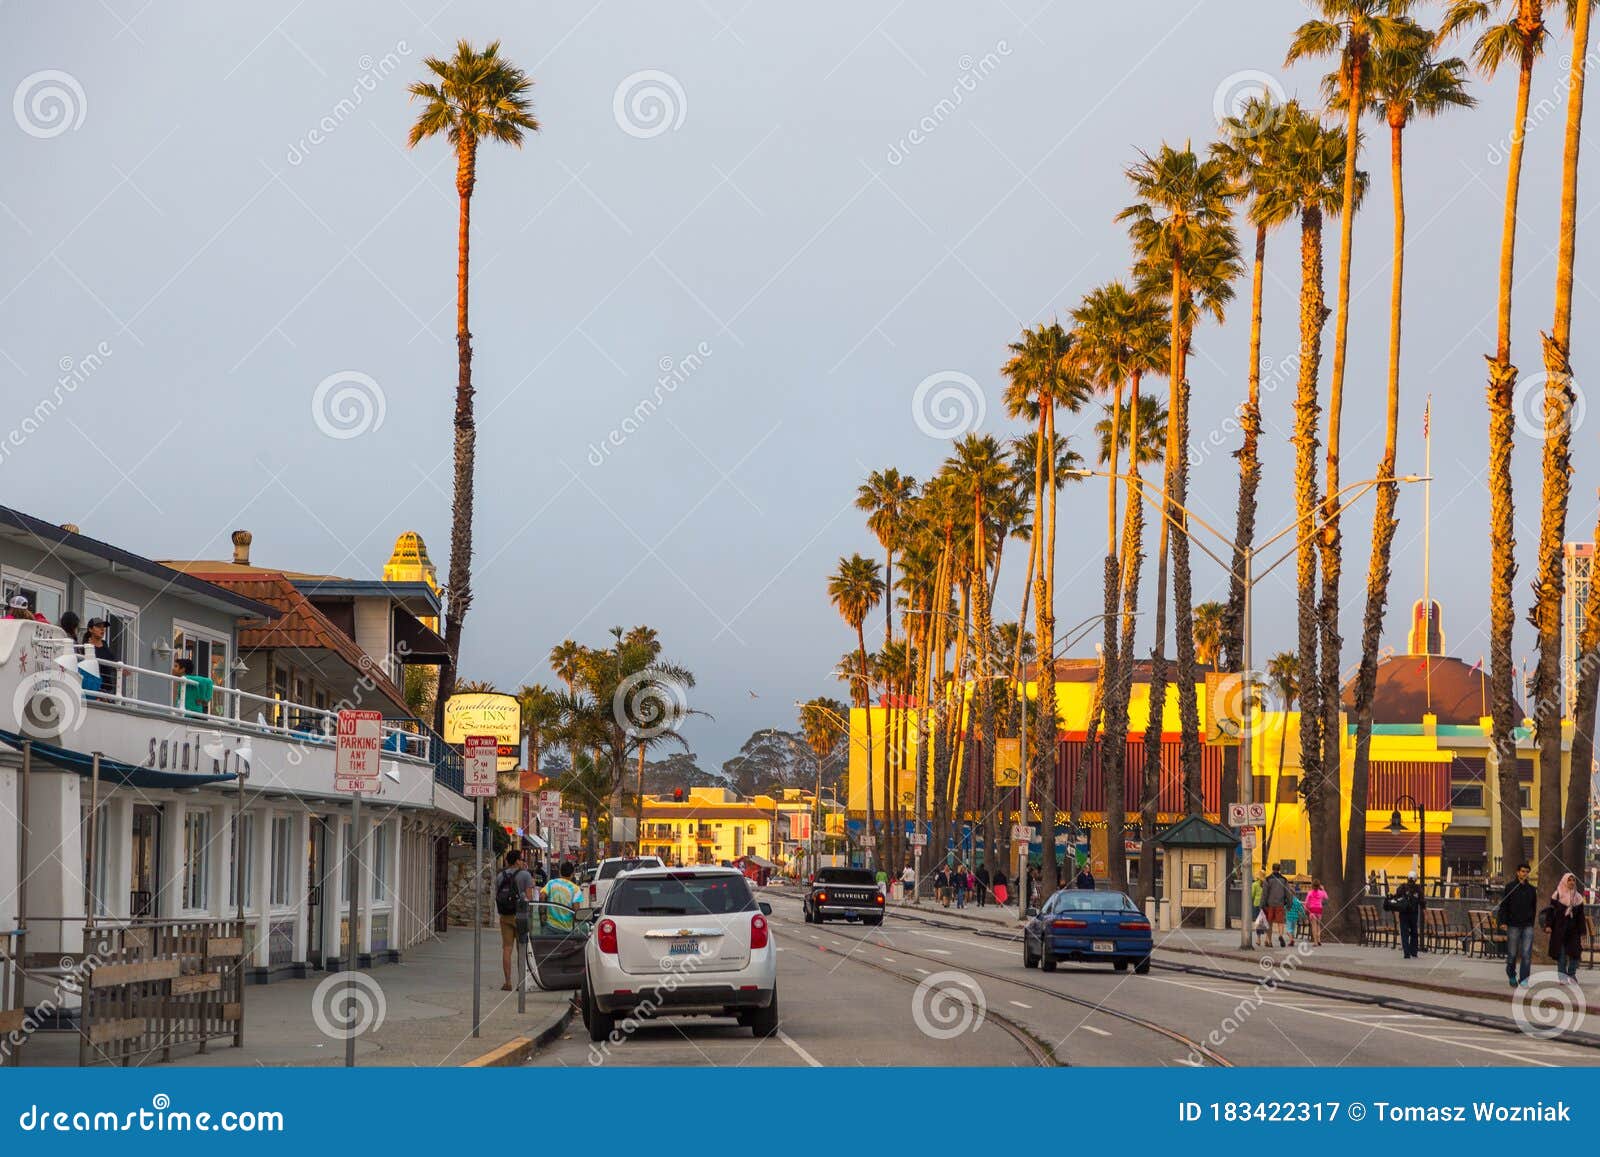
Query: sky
column 789, row 230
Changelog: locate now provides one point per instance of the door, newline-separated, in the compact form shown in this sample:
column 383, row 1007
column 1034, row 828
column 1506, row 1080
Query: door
column 146, row 869
column 316, row 854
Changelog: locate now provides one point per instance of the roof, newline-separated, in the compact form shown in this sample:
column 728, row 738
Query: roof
column 1197, row 832
column 64, row 544
column 1409, row 686
column 299, row 626
column 689, row 810
column 1087, row 670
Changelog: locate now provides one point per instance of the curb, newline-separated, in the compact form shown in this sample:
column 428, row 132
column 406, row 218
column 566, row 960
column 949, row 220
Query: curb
column 1345, row 974
column 519, row 1049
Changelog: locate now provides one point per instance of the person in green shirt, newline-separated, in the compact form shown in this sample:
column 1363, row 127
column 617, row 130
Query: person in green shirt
column 197, row 689
column 562, row 893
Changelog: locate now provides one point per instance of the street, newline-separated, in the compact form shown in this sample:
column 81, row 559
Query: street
column 850, row 996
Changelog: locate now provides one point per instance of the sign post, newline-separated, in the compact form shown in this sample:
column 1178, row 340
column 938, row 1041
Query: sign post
column 358, row 744
column 479, row 782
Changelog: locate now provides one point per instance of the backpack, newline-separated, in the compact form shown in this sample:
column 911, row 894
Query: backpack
column 505, row 893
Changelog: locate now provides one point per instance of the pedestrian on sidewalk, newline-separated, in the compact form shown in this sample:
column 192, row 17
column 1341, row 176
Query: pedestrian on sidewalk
column 1316, row 900
column 941, row 886
column 958, row 883
column 1085, row 880
column 512, row 887
column 1296, row 917
column 983, row 885
column 1566, row 924
column 1275, row 893
column 1407, row 901
column 1002, row 893
column 908, row 885
column 1517, row 910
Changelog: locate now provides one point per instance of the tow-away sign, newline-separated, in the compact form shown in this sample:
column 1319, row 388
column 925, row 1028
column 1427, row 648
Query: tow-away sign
column 357, row 748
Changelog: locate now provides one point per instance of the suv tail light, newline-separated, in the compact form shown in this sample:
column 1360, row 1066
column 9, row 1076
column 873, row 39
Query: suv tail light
column 878, row 899
column 606, row 936
column 758, row 932
column 1068, row 924
column 822, row 897
column 591, row 893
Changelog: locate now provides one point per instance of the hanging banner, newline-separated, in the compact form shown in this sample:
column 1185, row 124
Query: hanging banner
column 1008, row 762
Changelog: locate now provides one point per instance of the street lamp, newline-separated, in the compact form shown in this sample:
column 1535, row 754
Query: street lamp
column 1248, row 579
column 1398, row 827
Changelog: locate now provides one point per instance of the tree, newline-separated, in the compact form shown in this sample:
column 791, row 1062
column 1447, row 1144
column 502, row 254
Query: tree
column 854, row 590
column 1405, row 81
column 886, row 497
column 1283, row 675
column 541, row 718
column 474, row 96
column 1209, row 618
column 1516, row 30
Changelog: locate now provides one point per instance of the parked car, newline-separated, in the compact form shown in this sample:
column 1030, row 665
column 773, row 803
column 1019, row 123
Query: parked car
column 1092, row 927
column 850, row 893
column 598, row 886
column 681, row 942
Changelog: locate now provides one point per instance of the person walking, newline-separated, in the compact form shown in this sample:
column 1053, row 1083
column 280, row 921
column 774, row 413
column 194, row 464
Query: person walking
column 560, row 900
column 1002, row 891
column 1566, row 923
column 982, row 876
column 1517, row 910
column 908, row 885
column 513, row 886
column 1407, row 902
column 1275, row 893
column 958, row 882
column 941, row 887
column 1316, row 901
column 1085, row 880
column 1295, row 918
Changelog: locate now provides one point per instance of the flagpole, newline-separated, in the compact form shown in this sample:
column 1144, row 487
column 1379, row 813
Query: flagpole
column 1427, row 534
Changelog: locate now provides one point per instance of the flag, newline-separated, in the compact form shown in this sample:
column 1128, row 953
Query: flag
column 1427, row 413
column 1478, row 666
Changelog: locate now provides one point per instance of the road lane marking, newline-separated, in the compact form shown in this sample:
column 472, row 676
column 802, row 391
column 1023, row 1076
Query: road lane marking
column 890, row 959
column 1096, row 1031
column 1019, row 1004
column 800, row 1052
column 924, row 971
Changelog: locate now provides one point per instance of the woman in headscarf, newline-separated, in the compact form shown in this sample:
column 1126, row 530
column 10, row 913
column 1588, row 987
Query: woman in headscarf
column 1567, row 927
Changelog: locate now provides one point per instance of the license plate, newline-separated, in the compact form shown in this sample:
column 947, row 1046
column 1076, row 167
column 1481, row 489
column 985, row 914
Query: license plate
column 849, row 913
column 684, row 948
column 1105, row 946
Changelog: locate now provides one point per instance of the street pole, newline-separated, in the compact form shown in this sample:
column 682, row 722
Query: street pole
column 1247, row 762
column 353, row 965
column 477, row 915
column 1022, row 803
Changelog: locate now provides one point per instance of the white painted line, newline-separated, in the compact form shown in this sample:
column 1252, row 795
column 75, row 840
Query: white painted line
column 1019, row 1004
column 924, row 971
column 800, row 1052
column 1096, row 1031
column 890, row 959
column 938, row 952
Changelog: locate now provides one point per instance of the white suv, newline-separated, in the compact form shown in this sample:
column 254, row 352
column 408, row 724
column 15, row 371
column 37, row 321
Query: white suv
column 594, row 893
column 681, row 942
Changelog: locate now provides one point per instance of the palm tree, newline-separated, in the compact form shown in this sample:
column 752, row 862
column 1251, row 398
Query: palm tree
column 886, row 497
column 1180, row 225
column 1349, row 30
column 1557, row 483
column 1283, row 674
column 1209, row 618
column 1307, row 180
column 854, row 589
column 1405, row 81
column 1149, row 418
column 541, row 717
column 473, row 96
column 1040, row 378
column 1516, row 30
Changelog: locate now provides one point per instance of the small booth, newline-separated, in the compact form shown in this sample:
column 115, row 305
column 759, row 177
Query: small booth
column 1196, row 855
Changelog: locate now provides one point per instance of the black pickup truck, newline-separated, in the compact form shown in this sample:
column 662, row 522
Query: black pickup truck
column 848, row 893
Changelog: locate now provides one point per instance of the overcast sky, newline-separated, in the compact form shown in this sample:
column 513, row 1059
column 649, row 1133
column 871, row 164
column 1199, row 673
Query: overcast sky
column 219, row 200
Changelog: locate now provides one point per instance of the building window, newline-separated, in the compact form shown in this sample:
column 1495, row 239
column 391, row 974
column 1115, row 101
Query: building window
column 1288, row 788
column 45, row 596
column 122, row 634
column 196, row 859
column 282, row 861
column 1524, row 797
column 1466, row 795
column 243, row 844
column 1199, row 877
column 209, row 654
column 379, row 850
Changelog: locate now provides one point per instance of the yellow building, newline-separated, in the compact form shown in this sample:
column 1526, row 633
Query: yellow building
column 711, row 825
column 409, row 563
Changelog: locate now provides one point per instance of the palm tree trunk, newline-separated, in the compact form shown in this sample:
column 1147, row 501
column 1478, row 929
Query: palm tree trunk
column 1158, row 699
column 459, row 597
column 1249, row 469
column 1313, row 314
column 1182, row 581
column 1383, row 528
column 1045, row 749
column 866, row 703
column 1502, row 522
column 1120, row 682
column 1106, row 674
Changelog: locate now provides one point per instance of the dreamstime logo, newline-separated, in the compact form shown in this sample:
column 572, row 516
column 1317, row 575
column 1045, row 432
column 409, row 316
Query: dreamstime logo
column 371, row 73
column 674, row 372
column 49, row 704
column 971, row 73
column 348, row 404
column 947, row 1004
column 1548, row 1006
column 649, row 103
column 1233, row 97
column 1239, row 706
column 1527, row 406
column 47, row 104
column 348, row 1004
column 947, row 404
column 649, row 703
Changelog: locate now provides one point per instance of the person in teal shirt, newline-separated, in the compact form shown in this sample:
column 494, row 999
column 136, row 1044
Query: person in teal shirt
column 197, row 689
column 563, row 894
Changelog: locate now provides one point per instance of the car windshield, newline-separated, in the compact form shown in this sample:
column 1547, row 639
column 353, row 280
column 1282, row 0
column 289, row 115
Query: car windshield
column 1085, row 901
column 845, row 876
column 612, row 868
column 680, row 894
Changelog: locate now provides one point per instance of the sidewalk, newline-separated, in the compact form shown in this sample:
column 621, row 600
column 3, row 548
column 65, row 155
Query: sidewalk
column 426, row 1010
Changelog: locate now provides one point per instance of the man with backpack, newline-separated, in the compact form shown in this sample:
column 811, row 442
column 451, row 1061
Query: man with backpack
column 512, row 886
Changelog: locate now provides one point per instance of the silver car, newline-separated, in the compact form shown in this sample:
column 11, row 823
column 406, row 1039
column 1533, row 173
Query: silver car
column 681, row 942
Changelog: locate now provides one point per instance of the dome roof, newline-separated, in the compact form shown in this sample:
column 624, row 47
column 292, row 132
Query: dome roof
column 1459, row 693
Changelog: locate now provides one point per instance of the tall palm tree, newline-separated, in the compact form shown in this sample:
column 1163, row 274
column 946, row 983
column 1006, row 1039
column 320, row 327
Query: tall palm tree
column 1180, row 223
column 1209, row 618
column 854, row 589
column 1308, row 179
column 886, row 497
column 1283, row 675
column 1147, row 420
column 1405, row 81
column 473, row 96
column 1041, row 376
column 1557, row 483
column 541, row 717
column 1515, row 31
column 1349, row 30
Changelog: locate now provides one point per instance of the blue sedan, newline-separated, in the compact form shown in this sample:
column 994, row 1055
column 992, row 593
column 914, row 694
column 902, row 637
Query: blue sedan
column 1086, row 926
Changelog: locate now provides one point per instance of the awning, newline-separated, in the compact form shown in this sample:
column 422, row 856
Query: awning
column 112, row 771
column 415, row 642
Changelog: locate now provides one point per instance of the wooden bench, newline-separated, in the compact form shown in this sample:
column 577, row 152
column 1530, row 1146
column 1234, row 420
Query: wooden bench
column 1486, row 936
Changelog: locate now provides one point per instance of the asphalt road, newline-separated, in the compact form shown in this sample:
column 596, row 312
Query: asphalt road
column 910, row 993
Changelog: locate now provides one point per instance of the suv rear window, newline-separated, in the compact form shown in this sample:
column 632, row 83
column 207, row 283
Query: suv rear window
column 680, row 894
column 611, row 868
column 846, row 876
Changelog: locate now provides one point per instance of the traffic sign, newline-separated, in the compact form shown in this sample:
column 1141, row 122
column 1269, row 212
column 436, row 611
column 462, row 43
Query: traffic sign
column 1247, row 839
column 918, row 839
column 1240, row 814
column 549, row 806
column 1021, row 833
column 869, row 841
column 357, row 746
column 480, row 766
